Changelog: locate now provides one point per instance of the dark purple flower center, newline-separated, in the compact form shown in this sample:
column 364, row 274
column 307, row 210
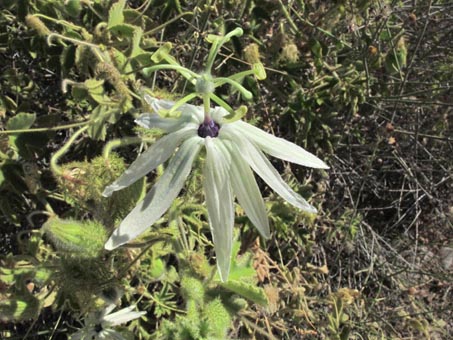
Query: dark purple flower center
column 208, row 129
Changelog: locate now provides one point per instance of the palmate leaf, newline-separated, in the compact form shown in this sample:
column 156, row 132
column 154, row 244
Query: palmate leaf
column 2, row 177
column 116, row 16
column 21, row 121
column 18, row 309
column 116, row 22
column 136, row 40
column 123, row 30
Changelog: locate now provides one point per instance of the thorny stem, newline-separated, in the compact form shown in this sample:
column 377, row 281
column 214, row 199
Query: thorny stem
column 95, row 47
column 60, row 22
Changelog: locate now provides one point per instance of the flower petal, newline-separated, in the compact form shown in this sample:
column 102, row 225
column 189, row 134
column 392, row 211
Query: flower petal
column 158, row 153
column 279, row 147
column 153, row 120
column 193, row 112
column 122, row 316
column 219, row 201
column 109, row 334
column 159, row 199
column 247, row 191
column 261, row 165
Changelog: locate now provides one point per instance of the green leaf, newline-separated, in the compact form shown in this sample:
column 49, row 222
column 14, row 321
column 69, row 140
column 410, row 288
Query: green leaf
column 17, row 309
column 73, row 8
column 260, row 72
column 98, row 129
column 247, row 290
column 2, row 177
column 7, row 104
column 94, row 84
column 163, row 51
column 124, row 30
column 121, row 61
column 116, row 16
column 136, row 40
column 96, row 91
column 21, row 121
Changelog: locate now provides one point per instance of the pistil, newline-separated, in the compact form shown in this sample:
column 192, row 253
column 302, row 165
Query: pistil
column 209, row 128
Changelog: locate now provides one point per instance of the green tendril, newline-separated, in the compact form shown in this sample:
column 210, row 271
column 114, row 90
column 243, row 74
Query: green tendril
column 57, row 155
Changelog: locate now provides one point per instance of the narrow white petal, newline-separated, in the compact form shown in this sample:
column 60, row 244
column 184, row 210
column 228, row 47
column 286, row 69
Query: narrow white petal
column 278, row 147
column 261, row 165
column 218, row 113
column 186, row 109
column 219, row 201
column 109, row 334
column 107, row 310
column 159, row 199
column 247, row 191
column 153, row 120
column 158, row 153
column 77, row 335
column 122, row 316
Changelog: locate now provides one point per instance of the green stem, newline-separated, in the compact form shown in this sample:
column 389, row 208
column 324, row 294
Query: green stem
column 57, row 155
column 288, row 17
column 207, row 106
column 75, row 41
column 59, row 22
column 96, row 48
column 306, row 22
column 54, row 128
column 158, row 28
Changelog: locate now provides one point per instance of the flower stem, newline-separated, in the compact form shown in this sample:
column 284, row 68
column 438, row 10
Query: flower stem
column 207, row 107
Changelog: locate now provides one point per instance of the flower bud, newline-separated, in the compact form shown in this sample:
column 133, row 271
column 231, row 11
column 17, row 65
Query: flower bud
column 290, row 53
column 252, row 53
column 84, row 239
column 36, row 23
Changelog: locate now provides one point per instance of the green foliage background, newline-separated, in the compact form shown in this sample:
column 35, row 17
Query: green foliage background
column 365, row 85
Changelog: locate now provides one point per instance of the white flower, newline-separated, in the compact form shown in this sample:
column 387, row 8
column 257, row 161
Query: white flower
column 98, row 325
column 232, row 150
